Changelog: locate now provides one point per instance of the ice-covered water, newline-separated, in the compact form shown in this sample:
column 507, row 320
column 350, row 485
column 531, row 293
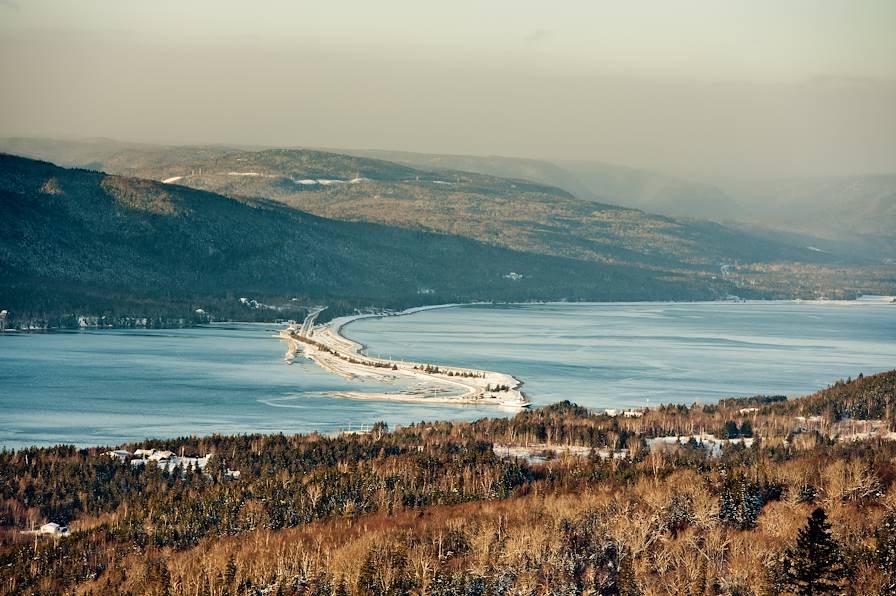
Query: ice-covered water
column 106, row 387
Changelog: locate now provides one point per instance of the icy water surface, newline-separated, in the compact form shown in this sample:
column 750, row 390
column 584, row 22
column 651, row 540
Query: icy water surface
column 636, row 354
column 107, row 387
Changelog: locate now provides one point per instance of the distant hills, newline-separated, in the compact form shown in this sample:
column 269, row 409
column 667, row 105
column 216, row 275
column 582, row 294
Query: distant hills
column 856, row 213
column 524, row 211
column 515, row 213
column 600, row 182
column 853, row 214
column 77, row 241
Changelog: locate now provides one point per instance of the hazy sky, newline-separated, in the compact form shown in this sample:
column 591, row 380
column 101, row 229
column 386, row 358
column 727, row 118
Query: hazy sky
column 699, row 88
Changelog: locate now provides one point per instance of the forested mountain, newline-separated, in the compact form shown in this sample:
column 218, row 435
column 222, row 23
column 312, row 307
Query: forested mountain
column 536, row 218
column 852, row 213
column 527, row 216
column 702, row 499
column 514, row 213
column 534, row 170
column 593, row 181
column 839, row 208
column 650, row 191
column 77, row 241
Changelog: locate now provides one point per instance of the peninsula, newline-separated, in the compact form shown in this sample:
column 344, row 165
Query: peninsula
column 326, row 346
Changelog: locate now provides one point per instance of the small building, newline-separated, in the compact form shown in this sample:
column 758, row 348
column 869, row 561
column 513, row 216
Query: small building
column 161, row 455
column 53, row 529
column 120, row 454
column 144, row 452
column 184, row 463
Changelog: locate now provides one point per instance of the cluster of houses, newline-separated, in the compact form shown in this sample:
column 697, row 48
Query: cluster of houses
column 165, row 460
column 630, row 413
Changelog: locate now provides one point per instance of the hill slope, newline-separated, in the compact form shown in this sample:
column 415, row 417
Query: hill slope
column 852, row 214
column 513, row 213
column 594, row 181
column 555, row 500
column 76, row 240
column 509, row 209
column 520, row 215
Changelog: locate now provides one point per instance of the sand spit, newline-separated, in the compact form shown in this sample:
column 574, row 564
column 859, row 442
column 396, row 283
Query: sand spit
column 326, row 346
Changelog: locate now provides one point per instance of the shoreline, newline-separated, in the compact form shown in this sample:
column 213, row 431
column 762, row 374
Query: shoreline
column 366, row 367
column 861, row 300
column 328, row 348
column 343, row 321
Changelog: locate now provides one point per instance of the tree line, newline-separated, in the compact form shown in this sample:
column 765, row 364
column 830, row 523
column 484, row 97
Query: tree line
column 430, row 508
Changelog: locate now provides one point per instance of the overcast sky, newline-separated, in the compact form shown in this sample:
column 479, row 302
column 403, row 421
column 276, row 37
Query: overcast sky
column 698, row 88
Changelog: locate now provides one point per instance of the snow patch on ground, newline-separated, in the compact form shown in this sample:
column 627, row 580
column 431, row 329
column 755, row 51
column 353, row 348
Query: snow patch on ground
column 541, row 453
column 172, row 179
column 326, row 181
column 709, row 442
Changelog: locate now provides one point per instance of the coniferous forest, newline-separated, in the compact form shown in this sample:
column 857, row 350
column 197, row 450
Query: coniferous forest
column 623, row 203
column 761, row 495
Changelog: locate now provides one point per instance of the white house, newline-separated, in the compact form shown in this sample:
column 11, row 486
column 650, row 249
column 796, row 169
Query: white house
column 184, row 463
column 120, row 454
column 161, row 455
column 53, row 529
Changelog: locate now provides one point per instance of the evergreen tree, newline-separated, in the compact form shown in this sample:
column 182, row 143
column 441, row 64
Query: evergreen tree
column 741, row 504
column 157, row 579
column 368, row 583
column 815, row 565
column 230, row 572
column 341, row 588
column 886, row 550
column 731, row 430
column 698, row 584
column 626, row 584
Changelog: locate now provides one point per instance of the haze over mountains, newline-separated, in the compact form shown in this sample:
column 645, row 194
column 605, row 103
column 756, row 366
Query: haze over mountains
column 510, row 212
column 845, row 214
column 860, row 211
column 82, row 242
column 392, row 234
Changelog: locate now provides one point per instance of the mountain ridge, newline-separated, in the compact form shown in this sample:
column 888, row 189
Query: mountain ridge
column 516, row 214
column 84, row 240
